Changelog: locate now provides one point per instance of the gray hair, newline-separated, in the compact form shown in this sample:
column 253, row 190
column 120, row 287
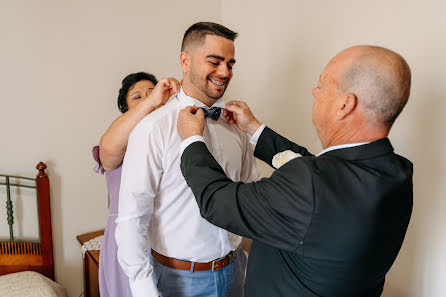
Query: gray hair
column 381, row 80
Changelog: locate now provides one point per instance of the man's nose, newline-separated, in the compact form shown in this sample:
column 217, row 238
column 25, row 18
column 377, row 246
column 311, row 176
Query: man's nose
column 223, row 71
column 315, row 91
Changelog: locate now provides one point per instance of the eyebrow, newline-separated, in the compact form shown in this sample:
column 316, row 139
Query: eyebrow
column 220, row 58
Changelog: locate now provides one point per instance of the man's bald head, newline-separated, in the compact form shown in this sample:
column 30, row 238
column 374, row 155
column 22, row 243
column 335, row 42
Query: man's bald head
column 196, row 34
column 379, row 78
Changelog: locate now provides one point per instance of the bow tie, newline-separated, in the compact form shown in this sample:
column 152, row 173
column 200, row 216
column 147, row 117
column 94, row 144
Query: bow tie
column 213, row 112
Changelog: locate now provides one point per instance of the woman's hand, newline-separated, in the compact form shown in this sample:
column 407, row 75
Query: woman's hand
column 163, row 90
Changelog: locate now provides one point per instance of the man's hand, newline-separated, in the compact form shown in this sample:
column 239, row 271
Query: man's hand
column 165, row 88
column 190, row 122
column 238, row 113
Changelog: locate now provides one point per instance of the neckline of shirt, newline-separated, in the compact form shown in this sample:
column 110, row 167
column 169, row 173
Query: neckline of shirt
column 185, row 100
column 340, row 146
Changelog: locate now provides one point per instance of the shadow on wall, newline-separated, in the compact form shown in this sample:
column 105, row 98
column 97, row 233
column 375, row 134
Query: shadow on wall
column 56, row 221
column 64, row 269
column 410, row 274
column 392, row 292
column 428, row 182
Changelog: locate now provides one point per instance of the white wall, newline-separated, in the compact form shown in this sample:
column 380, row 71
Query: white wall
column 61, row 64
column 282, row 49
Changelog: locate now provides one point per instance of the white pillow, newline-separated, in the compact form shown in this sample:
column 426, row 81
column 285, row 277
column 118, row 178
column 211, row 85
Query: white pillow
column 29, row 284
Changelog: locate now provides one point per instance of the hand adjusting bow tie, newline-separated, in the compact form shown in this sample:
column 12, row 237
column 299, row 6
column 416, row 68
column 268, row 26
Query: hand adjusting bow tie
column 213, row 112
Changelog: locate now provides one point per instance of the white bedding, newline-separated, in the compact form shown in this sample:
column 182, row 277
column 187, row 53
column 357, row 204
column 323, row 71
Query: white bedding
column 29, row 284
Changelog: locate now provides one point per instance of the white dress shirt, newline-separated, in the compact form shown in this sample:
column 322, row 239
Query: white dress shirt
column 155, row 203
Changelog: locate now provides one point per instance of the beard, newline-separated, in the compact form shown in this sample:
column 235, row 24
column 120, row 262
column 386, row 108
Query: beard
column 203, row 84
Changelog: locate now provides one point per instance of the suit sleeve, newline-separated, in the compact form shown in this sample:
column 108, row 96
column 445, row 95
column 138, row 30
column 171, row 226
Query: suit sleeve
column 271, row 143
column 276, row 211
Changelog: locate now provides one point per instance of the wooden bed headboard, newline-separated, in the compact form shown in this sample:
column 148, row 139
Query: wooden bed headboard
column 34, row 255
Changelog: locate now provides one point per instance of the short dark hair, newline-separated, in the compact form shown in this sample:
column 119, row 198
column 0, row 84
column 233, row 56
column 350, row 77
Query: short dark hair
column 127, row 83
column 197, row 32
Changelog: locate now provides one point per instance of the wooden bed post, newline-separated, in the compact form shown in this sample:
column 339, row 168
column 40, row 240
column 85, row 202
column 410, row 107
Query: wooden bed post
column 43, row 194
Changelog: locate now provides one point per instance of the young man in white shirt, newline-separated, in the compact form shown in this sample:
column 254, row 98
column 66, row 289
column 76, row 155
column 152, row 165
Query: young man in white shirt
column 191, row 257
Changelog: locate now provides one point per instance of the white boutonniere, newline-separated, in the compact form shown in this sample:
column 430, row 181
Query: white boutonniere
column 281, row 158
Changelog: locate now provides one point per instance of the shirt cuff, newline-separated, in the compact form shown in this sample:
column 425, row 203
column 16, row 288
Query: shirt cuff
column 189, row 141
column 144, row 287
column 256, row 135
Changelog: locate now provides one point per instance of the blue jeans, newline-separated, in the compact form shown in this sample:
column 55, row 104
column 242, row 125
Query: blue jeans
column 226, row 282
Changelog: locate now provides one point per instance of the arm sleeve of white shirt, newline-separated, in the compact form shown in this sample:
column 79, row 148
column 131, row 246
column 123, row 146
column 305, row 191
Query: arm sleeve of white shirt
column 141, row 173
column 256, row 135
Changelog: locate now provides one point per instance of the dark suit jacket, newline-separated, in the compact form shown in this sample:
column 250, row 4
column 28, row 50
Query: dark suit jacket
column 321, row 226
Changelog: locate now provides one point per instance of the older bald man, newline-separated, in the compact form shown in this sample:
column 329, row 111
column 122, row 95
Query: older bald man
column 329, row 224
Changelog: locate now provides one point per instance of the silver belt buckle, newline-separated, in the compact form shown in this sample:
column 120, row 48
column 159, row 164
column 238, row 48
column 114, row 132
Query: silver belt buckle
column 231, row 256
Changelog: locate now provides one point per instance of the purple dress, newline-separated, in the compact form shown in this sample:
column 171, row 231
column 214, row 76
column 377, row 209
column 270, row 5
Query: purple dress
column 113, row 282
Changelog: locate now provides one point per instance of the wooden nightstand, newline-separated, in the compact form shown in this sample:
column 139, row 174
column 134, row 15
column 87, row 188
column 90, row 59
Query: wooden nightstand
column 91, row 266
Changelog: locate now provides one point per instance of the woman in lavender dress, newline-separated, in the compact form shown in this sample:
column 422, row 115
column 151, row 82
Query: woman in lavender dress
column 139, row 95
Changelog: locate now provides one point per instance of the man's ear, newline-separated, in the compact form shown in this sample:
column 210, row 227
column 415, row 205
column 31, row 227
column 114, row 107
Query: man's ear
column 348, row 104
column 185, row 61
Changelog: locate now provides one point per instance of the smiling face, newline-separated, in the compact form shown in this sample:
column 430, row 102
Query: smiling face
column 207, row 68
column 138, row 91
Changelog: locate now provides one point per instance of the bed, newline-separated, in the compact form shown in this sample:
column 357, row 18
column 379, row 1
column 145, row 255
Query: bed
column 27, row 266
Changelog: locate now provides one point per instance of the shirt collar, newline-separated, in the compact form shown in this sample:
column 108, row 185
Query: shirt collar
column 340, row 146
column 184, row 101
